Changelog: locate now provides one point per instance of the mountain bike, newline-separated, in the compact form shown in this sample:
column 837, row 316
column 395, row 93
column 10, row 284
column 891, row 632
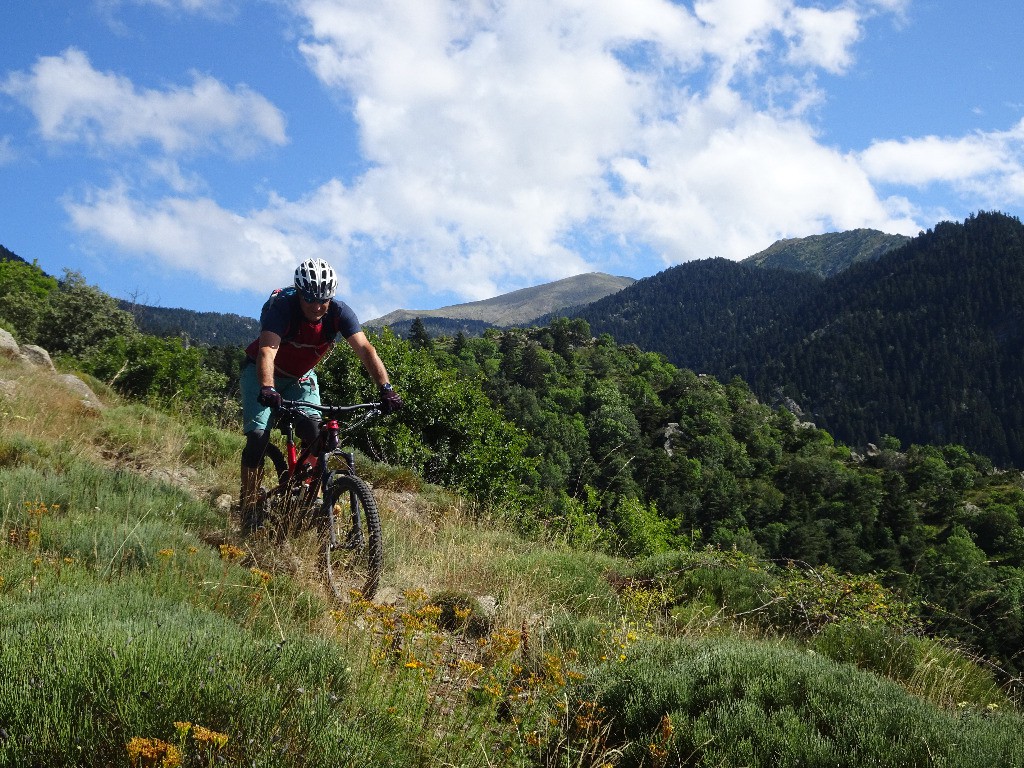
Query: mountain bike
column 317, row 487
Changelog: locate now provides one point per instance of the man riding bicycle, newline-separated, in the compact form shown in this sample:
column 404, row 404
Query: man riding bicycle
column 298, row 329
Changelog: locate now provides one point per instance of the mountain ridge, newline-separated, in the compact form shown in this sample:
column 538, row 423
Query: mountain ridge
column 520, row 306
column 923, row 342
column 826, row 254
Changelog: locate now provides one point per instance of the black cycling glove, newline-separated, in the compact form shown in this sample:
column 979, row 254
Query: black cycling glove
column 269, row 397
column 390, row 401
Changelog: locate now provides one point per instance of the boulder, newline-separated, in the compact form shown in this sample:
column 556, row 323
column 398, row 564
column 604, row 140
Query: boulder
column 79, row 387
column 8, row 346
column 37, row 356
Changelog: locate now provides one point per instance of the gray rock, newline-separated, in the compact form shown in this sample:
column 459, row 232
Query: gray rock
column 80, row 388
column 8, row 346
column 488, row 606
column 671, row 431
column 37, row 356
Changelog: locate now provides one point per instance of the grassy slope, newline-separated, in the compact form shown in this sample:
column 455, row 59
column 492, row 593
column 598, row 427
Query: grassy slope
column 827, row 254
column 130, row 605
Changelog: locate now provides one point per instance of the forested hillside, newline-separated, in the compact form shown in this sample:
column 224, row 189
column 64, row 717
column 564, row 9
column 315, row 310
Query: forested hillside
column 516, row 307
column 702, row 313
column 638, row 456
column 9, row 255
column 438, row 326
column 923, row 343
column 217, row 329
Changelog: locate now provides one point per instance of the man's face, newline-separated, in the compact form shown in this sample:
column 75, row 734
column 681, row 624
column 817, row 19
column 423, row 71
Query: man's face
column 314, row 311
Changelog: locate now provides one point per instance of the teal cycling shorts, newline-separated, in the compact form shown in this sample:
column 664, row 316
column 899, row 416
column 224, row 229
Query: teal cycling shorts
column 256, row 416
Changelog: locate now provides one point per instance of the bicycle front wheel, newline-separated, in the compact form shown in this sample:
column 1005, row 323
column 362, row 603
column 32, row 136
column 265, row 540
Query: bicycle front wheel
column 352, row 545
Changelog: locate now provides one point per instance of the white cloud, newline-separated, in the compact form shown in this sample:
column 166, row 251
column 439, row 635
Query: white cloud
column 824, row 38
column 196, row 234
column 931, row 159
column 509, row 143
column 73, row 102
column 986, row 168
column 748, row 180
column 498, row 131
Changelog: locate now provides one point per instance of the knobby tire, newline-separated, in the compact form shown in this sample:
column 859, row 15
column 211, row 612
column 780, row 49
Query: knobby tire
column 352, row 544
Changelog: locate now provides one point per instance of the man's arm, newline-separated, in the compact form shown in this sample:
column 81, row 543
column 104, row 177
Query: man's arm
column 270, row 342
column 367, row 353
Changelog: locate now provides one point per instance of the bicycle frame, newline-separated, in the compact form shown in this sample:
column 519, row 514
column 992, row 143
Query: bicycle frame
column 304, row 465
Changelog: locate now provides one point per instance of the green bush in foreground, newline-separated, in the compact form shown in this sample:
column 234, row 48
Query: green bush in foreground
column 737, row 703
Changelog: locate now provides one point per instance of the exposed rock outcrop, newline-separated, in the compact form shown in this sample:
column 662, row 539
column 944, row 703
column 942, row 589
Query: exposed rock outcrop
column 39, row 358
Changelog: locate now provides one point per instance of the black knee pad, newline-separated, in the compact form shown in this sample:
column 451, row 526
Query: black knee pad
column 255, row 446
column 307, row 427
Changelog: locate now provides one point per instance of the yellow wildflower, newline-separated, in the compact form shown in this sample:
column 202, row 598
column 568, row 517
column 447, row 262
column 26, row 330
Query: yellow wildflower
column 416, row 596
column 207, row 736
column 152, row 752
column 665, row 727
column 231, row 553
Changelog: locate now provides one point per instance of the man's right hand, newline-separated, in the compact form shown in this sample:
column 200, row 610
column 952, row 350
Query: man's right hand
column 269, row 397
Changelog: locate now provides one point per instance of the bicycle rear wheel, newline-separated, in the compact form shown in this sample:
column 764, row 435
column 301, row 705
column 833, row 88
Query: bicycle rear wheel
column 352, row 544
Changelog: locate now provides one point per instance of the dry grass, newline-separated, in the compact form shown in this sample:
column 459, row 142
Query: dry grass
column 431, row 684
column 447, row 548
column 42, row 409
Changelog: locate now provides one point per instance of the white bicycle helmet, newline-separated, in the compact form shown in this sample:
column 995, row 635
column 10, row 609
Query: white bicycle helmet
column 315, row 280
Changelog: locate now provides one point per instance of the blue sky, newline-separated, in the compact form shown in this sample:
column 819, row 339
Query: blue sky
column 189, row 153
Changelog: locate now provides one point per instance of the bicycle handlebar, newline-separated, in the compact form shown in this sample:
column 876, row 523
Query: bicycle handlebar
column 328, row 410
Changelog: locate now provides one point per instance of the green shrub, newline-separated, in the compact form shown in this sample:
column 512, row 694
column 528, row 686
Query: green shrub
column 461, row 612
column 940, row 673
column 641, row 531
column 98, row 497
column 735, row 703
column 707, row 582
column 805, row 602
column 16, row 450
column 572, row 580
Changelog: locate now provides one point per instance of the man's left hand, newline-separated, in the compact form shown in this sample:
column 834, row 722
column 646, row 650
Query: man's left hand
column 390, row 401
